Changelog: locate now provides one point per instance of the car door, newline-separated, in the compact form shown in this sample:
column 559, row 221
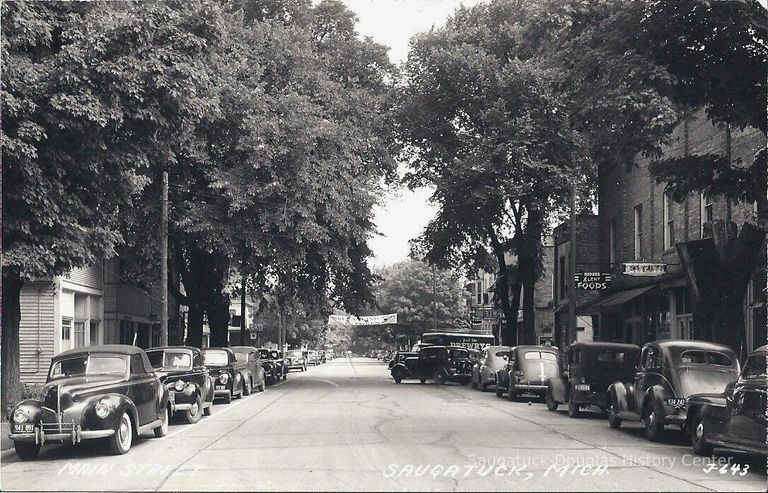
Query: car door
column 746, row 416
column 643, row 377
column 143, row 391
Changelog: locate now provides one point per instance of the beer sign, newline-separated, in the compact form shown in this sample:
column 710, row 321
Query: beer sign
column 643, row 269
column 592, row 281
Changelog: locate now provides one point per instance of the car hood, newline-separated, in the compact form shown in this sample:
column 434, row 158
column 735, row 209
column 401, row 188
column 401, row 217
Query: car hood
column 63, row 392
column 167, row 374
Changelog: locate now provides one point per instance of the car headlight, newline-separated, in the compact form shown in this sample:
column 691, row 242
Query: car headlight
column 223, row 378
column 20, row 416
column 103, row 408
column 179, row 385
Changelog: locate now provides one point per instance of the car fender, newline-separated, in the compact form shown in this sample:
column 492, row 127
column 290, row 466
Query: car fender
column 119, row 403
column 34, row 410
column 558, row 388
column 655, row 396
column 619, row 393
column 711, row 407
column 400, row 367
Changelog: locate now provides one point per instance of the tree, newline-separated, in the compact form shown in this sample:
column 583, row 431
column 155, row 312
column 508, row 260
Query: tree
column 414, row 290
column 484, row 126
column 81, row 122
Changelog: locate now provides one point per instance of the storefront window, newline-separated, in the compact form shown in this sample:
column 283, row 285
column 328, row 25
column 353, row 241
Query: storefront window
column 66, row 329
column 79, row 333
column 94, row 332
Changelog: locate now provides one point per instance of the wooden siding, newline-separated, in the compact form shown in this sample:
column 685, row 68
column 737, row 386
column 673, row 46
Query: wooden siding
column 37, row 331
column 90, row 276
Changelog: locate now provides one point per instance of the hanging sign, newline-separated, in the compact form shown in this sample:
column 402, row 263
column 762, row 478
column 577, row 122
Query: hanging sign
column 367, row 320
column 643, row 269
column 591, row 281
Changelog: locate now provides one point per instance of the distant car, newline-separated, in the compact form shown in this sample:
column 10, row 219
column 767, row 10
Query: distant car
column 93, row 392
column 670, row 372
column 735, row 418
column 528, row 371
column 491, row 360
column 329, row 354
column 223, row 367
column 249, row 363
column 438, row 363
column 273, row 371
column 190, row 387
column 277, row 357
column 313, row 358
column 321, row 355
column 591, row 368
column 295, row 359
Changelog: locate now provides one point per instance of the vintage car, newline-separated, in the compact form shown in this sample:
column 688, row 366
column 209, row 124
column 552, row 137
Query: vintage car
column 190, row 387
column 249, row 363
column 280, row 361
column 669, row 372
column 399, row 357
column 313, row 358
column 93, row 392
column 491, row 360
column 590, row 368
column 273, row 370
column 439, row 363
column 296, row 359
column 321, row 356
column 736, row 418
column 224, row 368
column 528, row 371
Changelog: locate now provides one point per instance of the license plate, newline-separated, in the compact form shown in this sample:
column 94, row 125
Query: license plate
column 23, row 428
column 582, row 386
column 676, row 402
column 221, row 387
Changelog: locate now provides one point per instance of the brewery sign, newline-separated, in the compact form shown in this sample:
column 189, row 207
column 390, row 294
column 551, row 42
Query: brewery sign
column 643, row 269
column 592, row 281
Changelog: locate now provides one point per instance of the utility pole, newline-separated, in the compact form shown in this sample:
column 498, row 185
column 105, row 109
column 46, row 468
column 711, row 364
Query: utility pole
column 164, row 263
column 572, row 270
column 434, row 300
column 242, row 307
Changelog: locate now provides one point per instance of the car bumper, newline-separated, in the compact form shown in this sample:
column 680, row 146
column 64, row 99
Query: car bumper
column 181, row 401
column 589, row 398
column 59, row 433
column 532, row 388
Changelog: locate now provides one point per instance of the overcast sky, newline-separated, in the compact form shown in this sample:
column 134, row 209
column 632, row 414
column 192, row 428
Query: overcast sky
column 392, row 23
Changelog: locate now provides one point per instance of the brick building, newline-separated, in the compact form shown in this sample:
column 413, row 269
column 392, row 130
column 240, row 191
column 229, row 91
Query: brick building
column 638, row 229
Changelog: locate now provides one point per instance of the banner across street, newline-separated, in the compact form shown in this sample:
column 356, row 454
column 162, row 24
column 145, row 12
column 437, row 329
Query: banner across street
column 389, row 319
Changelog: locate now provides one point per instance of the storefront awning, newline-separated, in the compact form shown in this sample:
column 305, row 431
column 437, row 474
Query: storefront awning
column 620, row 298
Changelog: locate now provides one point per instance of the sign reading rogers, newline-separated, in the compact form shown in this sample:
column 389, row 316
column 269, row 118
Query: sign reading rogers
column 591, row 280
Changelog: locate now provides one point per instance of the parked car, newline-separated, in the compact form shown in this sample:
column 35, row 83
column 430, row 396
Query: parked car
column 329, row 354
column 280, row 361
column 670, row 372
column 190, row 387
column 590, row 368
column 439, row 363
column 321, row 355
column 273, row 371
column 93, row 392
column 249, row 364
column 295, row 358
column 528, row 371
column 223, row 367
column 491, row 360
column 399, row 357
column 735, row 418
column 313, row 358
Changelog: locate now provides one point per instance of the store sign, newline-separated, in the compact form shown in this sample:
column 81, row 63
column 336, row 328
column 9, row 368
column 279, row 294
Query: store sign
column 592, row 281
column 644, row 269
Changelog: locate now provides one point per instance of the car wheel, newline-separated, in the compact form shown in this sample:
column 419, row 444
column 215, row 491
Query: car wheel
column 228, row 398
column 551, row 402
column 439, row 377
column 423, row 380
column 193, row 414
column 654, row 424
column 464, row 381
column 247, row 387
column 262, row 386
column 483, row 386
column 162, row 429
column 120, row 441
column 614, row 419
column 474, row 384
column 27, row 450
column 574, row 410
column 208, row 410
column 698, row 438
column 397, row 378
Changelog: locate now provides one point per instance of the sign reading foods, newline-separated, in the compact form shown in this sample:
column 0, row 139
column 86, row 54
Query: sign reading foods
column 644, row 269
column 592, row 281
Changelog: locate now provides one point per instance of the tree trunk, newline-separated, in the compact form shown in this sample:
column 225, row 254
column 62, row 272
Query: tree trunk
column 528, row 333
column 195, row 325
column 11, row 306
column 218, row 320
column 509, row 328
column 529, row 270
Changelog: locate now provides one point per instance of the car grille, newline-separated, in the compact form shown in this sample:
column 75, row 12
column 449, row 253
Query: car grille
column 57, row 427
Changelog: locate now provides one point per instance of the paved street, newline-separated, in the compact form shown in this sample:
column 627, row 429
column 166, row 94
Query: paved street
column 347, row 426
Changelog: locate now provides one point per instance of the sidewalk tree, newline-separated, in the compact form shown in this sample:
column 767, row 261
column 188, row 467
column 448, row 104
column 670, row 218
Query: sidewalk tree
column 91, row 94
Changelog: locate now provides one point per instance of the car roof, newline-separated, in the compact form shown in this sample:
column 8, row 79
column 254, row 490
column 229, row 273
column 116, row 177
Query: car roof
column 225, row 349
column 606, row 345
column 761, row 349
column 104, row 348
column 535, row 348
column 175, row 348
column 242, row 348
column 497, row 348
column 681, row 345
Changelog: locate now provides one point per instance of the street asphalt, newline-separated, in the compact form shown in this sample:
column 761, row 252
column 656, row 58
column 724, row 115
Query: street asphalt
column 346, row 425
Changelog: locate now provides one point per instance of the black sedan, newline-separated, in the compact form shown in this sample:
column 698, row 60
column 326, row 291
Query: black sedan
column 189, row 385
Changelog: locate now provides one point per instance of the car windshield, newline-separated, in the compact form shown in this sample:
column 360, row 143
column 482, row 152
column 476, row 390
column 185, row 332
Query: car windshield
column 539, row 355
column 241, row 357
column 170, row 359
column 275, row 354
column 704, row 380
column 755, row 367
column 458, row 353
column 89, row 365
column 617, row 357
column 215, row 357
column 295, row 354
column 264, row 353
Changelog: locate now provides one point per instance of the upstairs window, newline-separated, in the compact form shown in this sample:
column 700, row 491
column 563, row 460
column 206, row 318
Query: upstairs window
column 669, row 223
column 638, row 231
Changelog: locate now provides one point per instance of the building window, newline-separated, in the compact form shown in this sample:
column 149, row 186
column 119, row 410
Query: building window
column 79, row 333
column 94, row 332
column 561, row 273
column 479, row 298
column 66, row 329
column 612, row 243
column 485, row 298
column 707, row 211
column 638, row 231
column 669, row 223
column 127, row 331
column 156, row 342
